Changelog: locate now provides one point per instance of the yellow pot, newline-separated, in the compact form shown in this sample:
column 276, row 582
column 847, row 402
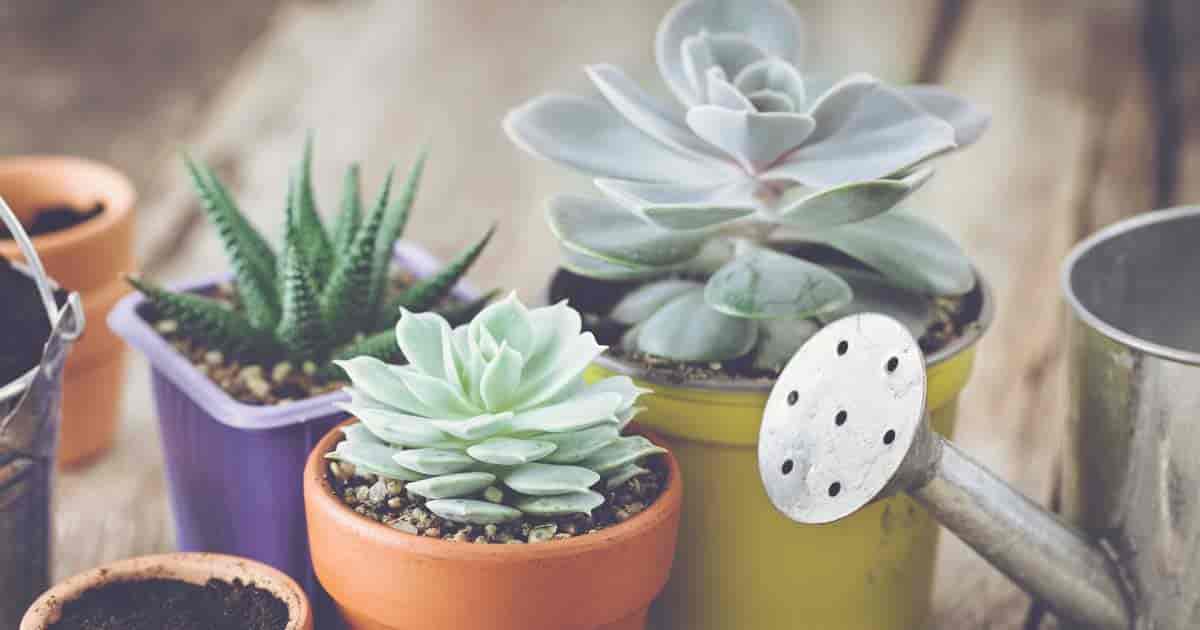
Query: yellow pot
column 741, row 564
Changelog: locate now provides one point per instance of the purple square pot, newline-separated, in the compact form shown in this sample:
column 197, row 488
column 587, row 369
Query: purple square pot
column 234, row 470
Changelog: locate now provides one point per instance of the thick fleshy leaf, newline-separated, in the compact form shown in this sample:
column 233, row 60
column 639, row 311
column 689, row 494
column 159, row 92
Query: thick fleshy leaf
column 373, row 458
column 626, row 450
column 645, row 112
column 424, row 340
column 850, row 202
column 547, row 479
column 969, row 121
column 623, row 386
column 626, row 416
column 555, row 327
column 639, row 304
column 722, row 93
column 874, row 294
column 773, row 76
column 679, row 207
column 623, row 474
column 452, row 486
column 589, row 135
column 575, row 446
column 473, row 511
column 756, row 140
column 390, row 423
column 688, row 329
column 771, row 101
column 501, row 378
column 434, row 461
column 600, row 269
column 579, row 412
column 558, row 372
column 509, row 320
column 510, row 451
column 358, row 432
column 561, row 504
column 764, row 284
column 834, row 106
column 885, row 134
column 708, row 57
column 780, row 339
column 377, row 380
column 436, row 393
column 910, row 252
column 602, row 229
column 773, row 25
column 476, row 428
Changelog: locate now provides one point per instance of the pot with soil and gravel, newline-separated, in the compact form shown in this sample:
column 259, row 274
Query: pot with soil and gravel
column 80, row 215
column 730, row 231
column 242, row 377
column 177, row 591
column 38, row 326
column 485, row 485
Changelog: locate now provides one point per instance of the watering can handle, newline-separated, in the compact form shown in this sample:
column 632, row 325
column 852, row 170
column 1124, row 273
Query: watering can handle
column 40, row 278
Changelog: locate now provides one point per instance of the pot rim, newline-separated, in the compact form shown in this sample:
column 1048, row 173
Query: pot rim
column 171, row 566
column 118, row 195
column 316, row 485
column 15, row 388
column 972, row 333
column 164, row 359
column 1084, row 247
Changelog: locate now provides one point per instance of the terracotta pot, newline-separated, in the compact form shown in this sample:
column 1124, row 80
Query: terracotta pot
column 381, row 578
column 88, row 258
column 195, row 568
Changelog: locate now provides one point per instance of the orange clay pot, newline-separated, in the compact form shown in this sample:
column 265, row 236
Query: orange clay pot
column 196, row 568
column 384, row 579
column 89, row 258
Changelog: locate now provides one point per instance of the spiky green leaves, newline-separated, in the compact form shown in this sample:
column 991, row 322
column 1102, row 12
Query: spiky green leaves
column 500, row 400
column 324, row 294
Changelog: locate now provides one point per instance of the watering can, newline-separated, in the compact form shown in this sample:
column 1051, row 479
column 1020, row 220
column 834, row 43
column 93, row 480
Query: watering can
column 845, row 426
column 29, row 417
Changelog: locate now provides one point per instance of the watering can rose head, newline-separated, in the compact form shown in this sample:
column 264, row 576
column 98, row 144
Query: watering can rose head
column 754, row 153
column 500, row 401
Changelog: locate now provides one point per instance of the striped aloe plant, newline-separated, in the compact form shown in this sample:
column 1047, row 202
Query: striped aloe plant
column 324, row 295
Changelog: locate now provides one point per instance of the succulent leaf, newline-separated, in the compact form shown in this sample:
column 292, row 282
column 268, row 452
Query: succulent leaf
column 345, row 302
column 394, row 221
column 501, row 397
column 373, row 458
column 601, row 269
column 251, row 259
column 301, row 329
column 380, row 345
column 644, row 301
column 309, row 233
column 426, row 293
column 463, row 312
column 764, row 284
column 597, row 228
column 208, row 320
column 688, row 329
column 851, row 202
column 358, row 432
column 623, row 474
column 874, row 294
column 350, row 215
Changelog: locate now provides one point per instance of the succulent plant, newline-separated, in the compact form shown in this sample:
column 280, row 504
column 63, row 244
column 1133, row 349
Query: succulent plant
column 758, row 155
column 325, row 294
column 492, row 420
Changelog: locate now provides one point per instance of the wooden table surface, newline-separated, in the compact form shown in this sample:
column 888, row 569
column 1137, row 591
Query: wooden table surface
column 1090, row 101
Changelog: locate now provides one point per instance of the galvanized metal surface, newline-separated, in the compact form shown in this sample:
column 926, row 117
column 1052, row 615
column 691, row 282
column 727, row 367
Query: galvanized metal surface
column 29, row 415
column 845, row 426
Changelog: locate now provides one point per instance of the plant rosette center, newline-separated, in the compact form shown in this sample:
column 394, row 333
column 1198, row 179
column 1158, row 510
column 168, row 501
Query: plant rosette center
column 490, row 434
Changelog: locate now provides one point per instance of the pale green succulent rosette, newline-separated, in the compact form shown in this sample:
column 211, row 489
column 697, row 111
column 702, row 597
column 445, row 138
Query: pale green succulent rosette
column 755, row 153
column 499, row 403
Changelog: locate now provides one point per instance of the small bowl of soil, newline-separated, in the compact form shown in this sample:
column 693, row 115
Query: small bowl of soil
column 178, row 591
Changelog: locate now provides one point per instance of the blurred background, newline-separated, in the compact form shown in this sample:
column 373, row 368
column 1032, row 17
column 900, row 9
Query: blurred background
column 1092, row 100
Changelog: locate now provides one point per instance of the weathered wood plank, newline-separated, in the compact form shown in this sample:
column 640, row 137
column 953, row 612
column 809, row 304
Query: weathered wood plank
column 1177, row 41
column 1070, row 149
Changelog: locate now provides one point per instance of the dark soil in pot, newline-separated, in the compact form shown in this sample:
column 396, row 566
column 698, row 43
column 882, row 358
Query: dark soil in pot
column 594, row 299
column 158, row 604
column 23, row 322
column 56, row 218
column 387, row 502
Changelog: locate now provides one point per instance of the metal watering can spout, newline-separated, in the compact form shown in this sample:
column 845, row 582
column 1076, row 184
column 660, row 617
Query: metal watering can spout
column 845, row 426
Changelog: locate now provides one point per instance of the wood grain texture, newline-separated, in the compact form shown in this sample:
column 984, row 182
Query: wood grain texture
column 1079, row 92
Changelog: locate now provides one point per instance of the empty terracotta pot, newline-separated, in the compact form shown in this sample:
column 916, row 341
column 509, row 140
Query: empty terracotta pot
column 384, row 579
column 90, row 258
column 194, row 568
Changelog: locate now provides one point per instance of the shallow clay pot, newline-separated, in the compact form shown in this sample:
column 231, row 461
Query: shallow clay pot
column 384, row 579
column 89, row 258
column 195, row 568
